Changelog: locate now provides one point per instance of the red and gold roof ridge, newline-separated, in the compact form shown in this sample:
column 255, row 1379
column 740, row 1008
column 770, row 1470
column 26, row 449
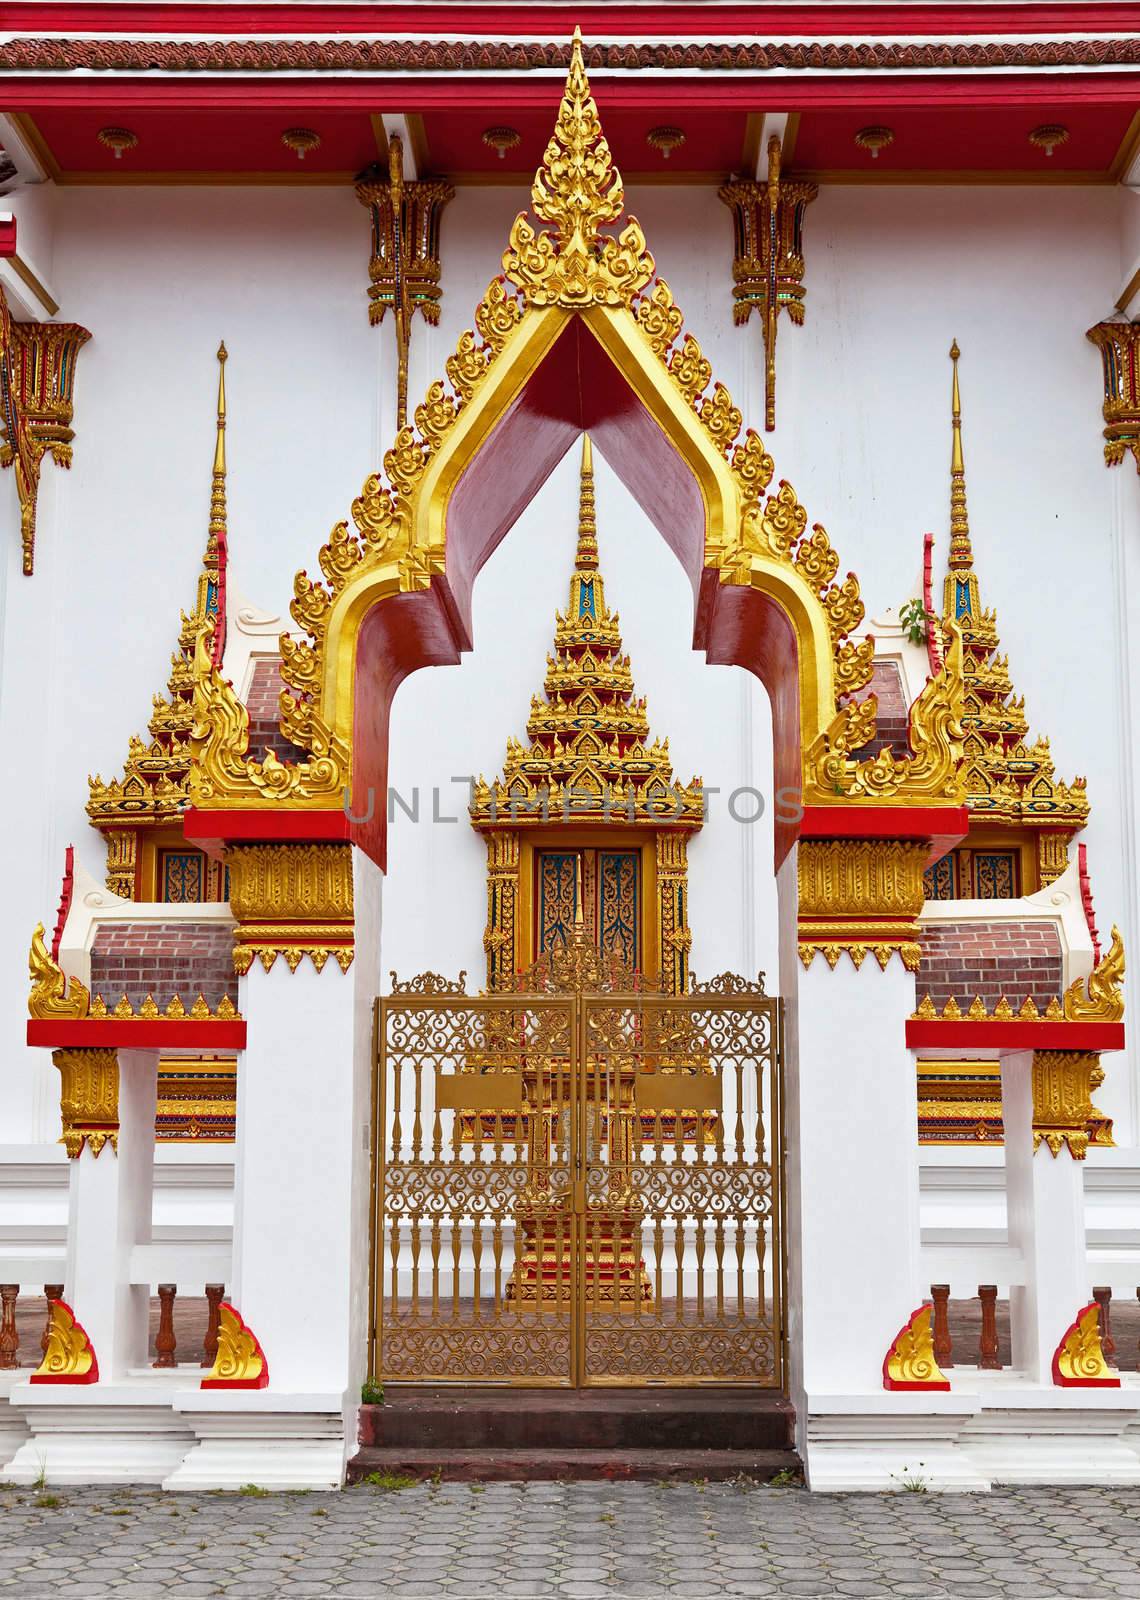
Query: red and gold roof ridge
column 1009, row 781
column 589, row 750
column 154, row 787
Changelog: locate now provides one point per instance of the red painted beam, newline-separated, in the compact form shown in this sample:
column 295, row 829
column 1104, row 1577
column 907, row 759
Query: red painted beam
column 135, row 1034
column 944, row 826
column 266, row 827
column 984, row 1040
column 527, row 91
column 554, row 21
column 7, row 236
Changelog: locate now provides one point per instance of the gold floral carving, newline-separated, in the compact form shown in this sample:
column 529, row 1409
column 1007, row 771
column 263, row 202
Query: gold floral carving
column 577, row 190
column 1104, row 999
column 240, row 1362
column 1063, row 1084
column 862, row 896
column 292, row 900
column 53, row 995
column 931, row 772
column 1118, row 343
column 88, row 1099
column 1078, row 1361
column 68, row 1356
column 910, row 1363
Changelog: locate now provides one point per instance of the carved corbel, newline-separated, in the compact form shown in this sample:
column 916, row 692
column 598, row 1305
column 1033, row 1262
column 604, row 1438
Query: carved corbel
column 1119, row 345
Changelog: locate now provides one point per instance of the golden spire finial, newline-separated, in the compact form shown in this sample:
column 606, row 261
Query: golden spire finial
column 961, row 553
column 578, row 190
column 587, row 556
column 218, row 488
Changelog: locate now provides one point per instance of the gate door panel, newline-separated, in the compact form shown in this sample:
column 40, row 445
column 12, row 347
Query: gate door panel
column 681, row 1270
column 473, row 1238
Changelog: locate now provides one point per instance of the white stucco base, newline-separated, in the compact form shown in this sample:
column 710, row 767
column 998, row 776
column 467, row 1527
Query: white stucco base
column 1012, row 1432
column 102, row 1433
column 13, row 1428
column 276, row 1441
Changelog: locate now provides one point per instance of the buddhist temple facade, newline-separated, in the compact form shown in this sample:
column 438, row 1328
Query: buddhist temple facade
column 743, row 391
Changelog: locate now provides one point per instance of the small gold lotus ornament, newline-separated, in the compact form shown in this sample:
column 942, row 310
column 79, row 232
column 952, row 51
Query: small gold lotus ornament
column 501, row 140
column 874, row 139
column 118, row 140
column 1048, row 136
column 301, row 141
column 666, row 140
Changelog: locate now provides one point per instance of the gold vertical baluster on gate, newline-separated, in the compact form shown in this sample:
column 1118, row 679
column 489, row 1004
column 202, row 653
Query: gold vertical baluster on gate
column 395, row 1251
column 679, row 1255
column 700, row 1248
column 476, row 1262
column 740, row 1112
column 497, row 1251
column 415, row 1265
column 761, row 1273
column 658, row 1260
column 719, row 1246
column 436, row 1250
column 397, row 1135
column 417, row 1117
column 739, row 1229
column 456, row 1255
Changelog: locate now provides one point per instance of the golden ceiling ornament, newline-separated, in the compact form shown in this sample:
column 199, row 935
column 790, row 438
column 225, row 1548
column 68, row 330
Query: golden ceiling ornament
column 153, row 791
column 1048, row 136
column 577, row 190
column 405, row 266
column 1119, row 345
column 88, row 1099
column 1103, row 1001
column 665, row 140
column 768, row 256
column 37, row 405
column 1063, row 1113
column 117, row 140
column 54, row 996
column 1009, row 783
column 874, row 138
column 301, row 141
column 910, row 1362
column 1078, row 1361
column 500, row 139
column 240, row 1362
column 68, row 1356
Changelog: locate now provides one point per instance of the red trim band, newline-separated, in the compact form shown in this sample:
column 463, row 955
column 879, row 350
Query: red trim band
column 139, row 1034
column 266, row 827
column 990, row 1038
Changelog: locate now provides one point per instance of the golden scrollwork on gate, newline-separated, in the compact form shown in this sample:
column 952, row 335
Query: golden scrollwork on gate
column 578, row 1184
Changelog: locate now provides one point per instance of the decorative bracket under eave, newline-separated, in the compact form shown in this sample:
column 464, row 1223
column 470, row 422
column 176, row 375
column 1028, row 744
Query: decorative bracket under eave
column 37, row 386
column 768, row 256
column 910, row 1363
column 240, row 1362
column 69, row 1356
column 1078, row 1361
column 1119, row 346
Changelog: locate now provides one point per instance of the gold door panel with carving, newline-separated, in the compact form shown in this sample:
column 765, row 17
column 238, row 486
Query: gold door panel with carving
column 578, row 1188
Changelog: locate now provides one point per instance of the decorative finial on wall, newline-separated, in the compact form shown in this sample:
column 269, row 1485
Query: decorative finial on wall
column 587, row 555
column 217, row 539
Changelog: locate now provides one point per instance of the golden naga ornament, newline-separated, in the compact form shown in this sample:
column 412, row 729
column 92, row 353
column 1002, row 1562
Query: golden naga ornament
column 69, row 1357
column 1103, row 1001
column 240, row 1362
column 1078, row 1361
column 910, row 1363
column 53, row 995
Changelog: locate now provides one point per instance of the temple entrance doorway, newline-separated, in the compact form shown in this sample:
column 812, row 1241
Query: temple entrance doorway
column 578, row 1183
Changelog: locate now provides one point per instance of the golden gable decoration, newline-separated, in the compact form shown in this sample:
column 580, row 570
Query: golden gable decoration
column 396, row 542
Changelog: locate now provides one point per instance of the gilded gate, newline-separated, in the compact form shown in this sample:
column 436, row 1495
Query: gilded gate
column 578, row 1188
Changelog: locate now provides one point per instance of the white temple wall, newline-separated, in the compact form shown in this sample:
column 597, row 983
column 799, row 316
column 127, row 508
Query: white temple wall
column 159, row 275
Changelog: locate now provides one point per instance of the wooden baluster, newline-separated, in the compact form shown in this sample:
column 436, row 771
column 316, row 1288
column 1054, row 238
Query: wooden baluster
column 52, row 1291
column 1103, row 1298
column 988, row 1343
column 215, row 1294
column 943, row 1346
column 164, row 1341
column 9, row 1338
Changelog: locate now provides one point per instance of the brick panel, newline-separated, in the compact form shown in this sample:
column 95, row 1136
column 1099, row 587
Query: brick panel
column 964, row 959
column 163, row 959
column 892, row 720
column 263, row 703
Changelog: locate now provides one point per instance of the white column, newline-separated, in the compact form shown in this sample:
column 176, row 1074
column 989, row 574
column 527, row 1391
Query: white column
column 110, row 1202
column 853, row 1171
column 1045, row 1208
